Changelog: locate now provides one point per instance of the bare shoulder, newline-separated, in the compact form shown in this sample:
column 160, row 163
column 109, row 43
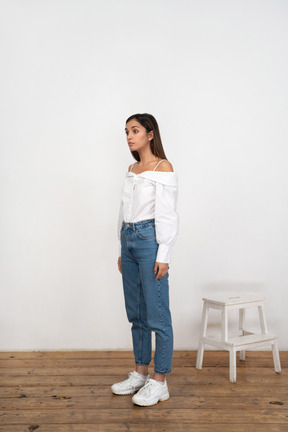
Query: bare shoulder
column 165, row 166
column 130, row 166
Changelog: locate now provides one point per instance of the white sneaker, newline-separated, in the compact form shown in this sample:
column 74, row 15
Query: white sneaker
column 133, row 383
column 152, row 392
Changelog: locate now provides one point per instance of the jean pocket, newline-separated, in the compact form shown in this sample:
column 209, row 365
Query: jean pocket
column 146, row 233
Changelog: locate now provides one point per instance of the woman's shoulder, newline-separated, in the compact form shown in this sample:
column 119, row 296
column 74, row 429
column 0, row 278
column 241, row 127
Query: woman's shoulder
column 165, row 166
column 131, row 166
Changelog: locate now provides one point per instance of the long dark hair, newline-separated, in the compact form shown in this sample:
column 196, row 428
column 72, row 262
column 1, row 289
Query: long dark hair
column 150, row 124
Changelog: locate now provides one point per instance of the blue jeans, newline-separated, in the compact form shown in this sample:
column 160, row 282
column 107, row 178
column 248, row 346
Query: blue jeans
column 146, row 298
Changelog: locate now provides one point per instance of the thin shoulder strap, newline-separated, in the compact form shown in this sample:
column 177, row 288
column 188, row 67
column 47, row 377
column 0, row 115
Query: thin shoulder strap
column 130, row 170
column 159, row 163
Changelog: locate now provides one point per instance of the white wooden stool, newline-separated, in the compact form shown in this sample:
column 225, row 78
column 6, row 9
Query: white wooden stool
column 245, row 340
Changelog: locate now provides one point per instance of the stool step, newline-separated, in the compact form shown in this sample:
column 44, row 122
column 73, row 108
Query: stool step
column 250, row 339
column 234, row 300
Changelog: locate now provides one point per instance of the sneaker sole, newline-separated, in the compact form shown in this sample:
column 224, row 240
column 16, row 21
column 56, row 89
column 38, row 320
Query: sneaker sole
column 125, row 393
column 164, row 398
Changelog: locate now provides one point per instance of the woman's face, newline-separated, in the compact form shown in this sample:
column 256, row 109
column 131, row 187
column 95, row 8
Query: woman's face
column 137, row 136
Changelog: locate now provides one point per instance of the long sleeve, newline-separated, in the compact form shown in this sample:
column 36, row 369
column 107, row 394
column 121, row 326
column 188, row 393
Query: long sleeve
column 166, row 220
column 120, row 220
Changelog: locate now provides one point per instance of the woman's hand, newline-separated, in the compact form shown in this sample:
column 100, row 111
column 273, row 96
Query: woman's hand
column 119, row 265
column 160, row 269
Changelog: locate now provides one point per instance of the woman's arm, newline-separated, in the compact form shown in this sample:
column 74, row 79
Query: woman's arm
column 166, row 221
column 120, row 220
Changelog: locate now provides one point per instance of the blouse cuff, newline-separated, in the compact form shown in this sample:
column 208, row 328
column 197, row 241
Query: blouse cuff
column 164, row 253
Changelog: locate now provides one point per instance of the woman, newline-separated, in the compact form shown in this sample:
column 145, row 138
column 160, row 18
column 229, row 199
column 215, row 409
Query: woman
column 147, row 230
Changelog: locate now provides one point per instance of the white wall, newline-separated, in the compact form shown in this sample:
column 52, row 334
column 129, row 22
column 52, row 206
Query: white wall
column 214, row 74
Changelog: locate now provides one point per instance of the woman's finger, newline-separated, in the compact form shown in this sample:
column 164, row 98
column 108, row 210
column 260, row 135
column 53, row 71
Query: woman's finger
column 156, row 268
column 160, row 274
column 119, row 265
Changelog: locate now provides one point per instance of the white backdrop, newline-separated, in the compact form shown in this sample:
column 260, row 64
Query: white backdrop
column 214, row 74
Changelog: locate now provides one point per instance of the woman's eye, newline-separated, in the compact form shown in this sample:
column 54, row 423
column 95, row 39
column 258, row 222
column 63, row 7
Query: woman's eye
column 136, row 131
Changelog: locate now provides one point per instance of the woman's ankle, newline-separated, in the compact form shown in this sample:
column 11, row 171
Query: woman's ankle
column 142, row 369
column 159, row 377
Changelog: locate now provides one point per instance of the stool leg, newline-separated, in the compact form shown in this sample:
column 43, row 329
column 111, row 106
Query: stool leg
column 262, row 318
column 224, row 324
column 232, row 364
column 276, row 358
column 202, row 335
column 242, row 329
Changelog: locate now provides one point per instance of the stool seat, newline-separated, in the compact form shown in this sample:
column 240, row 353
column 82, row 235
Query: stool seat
column 246, row 340
column 234, row 299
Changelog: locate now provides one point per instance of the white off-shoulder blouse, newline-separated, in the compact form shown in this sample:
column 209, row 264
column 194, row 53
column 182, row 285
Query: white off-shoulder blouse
column 152, row 195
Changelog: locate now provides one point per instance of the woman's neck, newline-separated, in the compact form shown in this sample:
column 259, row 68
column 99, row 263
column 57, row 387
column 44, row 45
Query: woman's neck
column 146, row 157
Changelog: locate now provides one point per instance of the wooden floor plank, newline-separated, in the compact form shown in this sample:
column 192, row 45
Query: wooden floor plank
column 119, row 402
column 72, row 354
column 203, row 389
column 58, row 355
column 116, row 370
column 140, row 415
column 159, row 427
column 199, row 378
column 210, row 361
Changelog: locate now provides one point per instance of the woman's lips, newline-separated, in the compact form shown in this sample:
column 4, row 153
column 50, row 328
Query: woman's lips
column 130, row 143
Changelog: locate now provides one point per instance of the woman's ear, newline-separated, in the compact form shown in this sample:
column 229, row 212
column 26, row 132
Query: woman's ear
column 150, row 135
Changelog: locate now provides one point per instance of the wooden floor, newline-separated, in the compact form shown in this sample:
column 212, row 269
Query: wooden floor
column 70, row 392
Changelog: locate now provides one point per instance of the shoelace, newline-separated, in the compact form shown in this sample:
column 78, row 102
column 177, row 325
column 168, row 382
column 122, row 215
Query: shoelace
column 131, row 377
column 144, row 391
